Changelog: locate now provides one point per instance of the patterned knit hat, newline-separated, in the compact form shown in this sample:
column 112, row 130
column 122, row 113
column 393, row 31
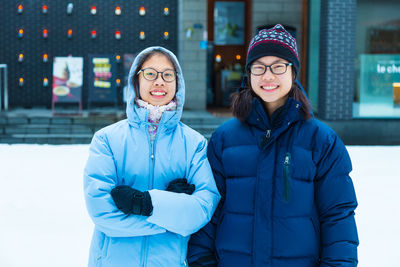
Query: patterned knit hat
column 274, row 42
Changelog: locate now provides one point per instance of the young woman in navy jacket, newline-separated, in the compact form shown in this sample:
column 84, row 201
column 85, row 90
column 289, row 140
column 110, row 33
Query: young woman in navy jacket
column 287, row 198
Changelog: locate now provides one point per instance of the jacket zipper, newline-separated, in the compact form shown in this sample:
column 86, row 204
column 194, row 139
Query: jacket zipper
column 145, row 246
column 286, row 177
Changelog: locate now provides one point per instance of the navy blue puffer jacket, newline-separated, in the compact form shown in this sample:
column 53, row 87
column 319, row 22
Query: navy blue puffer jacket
column 287, row 198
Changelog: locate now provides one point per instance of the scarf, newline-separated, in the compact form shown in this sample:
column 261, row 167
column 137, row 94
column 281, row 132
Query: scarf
column 155, row 114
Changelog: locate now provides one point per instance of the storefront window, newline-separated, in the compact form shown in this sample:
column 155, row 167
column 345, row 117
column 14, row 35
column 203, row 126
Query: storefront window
column 377, row 91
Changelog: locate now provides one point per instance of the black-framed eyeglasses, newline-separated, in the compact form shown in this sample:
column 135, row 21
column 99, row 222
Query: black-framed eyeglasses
column 151, row 74
column 276, row 68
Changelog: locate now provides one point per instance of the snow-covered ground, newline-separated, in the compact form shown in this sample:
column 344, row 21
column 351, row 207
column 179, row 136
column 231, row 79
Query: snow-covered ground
column 43, row 219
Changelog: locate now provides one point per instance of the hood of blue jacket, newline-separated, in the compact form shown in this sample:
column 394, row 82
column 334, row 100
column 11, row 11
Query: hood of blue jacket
column 137, row 115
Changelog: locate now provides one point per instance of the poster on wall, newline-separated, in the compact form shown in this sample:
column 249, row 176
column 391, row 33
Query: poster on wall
column 229, row 23
column 67, row 81
column 101, row 81
column 380, row 85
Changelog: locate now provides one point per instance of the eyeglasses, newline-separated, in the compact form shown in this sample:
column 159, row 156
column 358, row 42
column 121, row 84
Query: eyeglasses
column 276, row 68
column 151, row 74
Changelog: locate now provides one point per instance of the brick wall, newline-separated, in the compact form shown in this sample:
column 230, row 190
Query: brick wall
column 285, row 12
column 336, row 78
column 191, row 57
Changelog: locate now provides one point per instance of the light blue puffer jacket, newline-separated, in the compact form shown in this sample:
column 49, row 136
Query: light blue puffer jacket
column 122, row 154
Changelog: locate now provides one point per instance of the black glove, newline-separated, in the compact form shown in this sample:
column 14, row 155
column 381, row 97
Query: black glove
column 181, row 186
column 205, row 261
column 132, row 201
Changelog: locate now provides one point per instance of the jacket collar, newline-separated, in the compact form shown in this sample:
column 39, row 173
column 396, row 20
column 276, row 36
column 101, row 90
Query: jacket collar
column 280, row 119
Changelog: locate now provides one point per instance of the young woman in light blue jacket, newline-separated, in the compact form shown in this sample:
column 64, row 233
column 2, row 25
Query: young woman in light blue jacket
column 147, row 183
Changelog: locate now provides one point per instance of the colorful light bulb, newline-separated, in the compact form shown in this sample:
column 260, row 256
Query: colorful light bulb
column 142, row 11
column 20, row 9
column 118, row 10
column 93, row 10
column 166, row 11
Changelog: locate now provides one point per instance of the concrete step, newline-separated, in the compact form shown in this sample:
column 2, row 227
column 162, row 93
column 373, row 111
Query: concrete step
column 39, row 127
column 46, row 129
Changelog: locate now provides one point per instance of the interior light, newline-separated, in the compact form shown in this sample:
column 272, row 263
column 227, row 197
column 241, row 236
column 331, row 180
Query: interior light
column 238, row 57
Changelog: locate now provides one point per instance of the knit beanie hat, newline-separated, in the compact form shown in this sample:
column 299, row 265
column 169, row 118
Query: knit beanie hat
column 273, row 42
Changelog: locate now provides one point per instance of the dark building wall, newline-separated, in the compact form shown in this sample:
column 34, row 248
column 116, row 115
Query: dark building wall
column 336, row 78
column 82, row 22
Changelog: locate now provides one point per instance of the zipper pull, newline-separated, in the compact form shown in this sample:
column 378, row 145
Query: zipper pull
column 287, row 159
column 265, row 139
column 268, row 134
column 286, row 178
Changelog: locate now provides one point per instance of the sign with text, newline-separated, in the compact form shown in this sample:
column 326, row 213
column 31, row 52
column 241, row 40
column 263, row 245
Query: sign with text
column 379, row 82
column 102, row 86
column 67, row 79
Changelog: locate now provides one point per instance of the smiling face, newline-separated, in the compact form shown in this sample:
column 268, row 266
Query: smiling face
column 272, row 88
column 157, row 92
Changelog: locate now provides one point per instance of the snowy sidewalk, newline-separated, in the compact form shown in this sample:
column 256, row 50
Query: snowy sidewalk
column 44, row 222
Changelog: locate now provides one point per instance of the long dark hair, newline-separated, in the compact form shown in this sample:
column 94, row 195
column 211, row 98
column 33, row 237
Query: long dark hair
column 142, row 60
column 242, row 101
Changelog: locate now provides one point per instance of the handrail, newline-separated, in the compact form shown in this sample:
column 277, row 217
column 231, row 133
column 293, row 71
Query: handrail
column 4, row 67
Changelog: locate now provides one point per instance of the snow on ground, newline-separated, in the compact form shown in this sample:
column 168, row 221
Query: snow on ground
column 44, row 222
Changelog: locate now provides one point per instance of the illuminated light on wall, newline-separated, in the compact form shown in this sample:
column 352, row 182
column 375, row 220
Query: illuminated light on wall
column 166, row 11
column 118, row 82
column 45, row 58
column 118, row 10
column 142, row 11
column 93, row 34
column 45, row 82
column 69, row 33
column 166, row 35
column 93, row 10
column 238, row 57
column 44, row 9
column 218, row 58
column 118, row 58
column 142, row 35
column 70, row 8
column 117, row 35
column 20, row 33
column 21, row 81
column 45, row 33
column 20, row 57
column 20, row 9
